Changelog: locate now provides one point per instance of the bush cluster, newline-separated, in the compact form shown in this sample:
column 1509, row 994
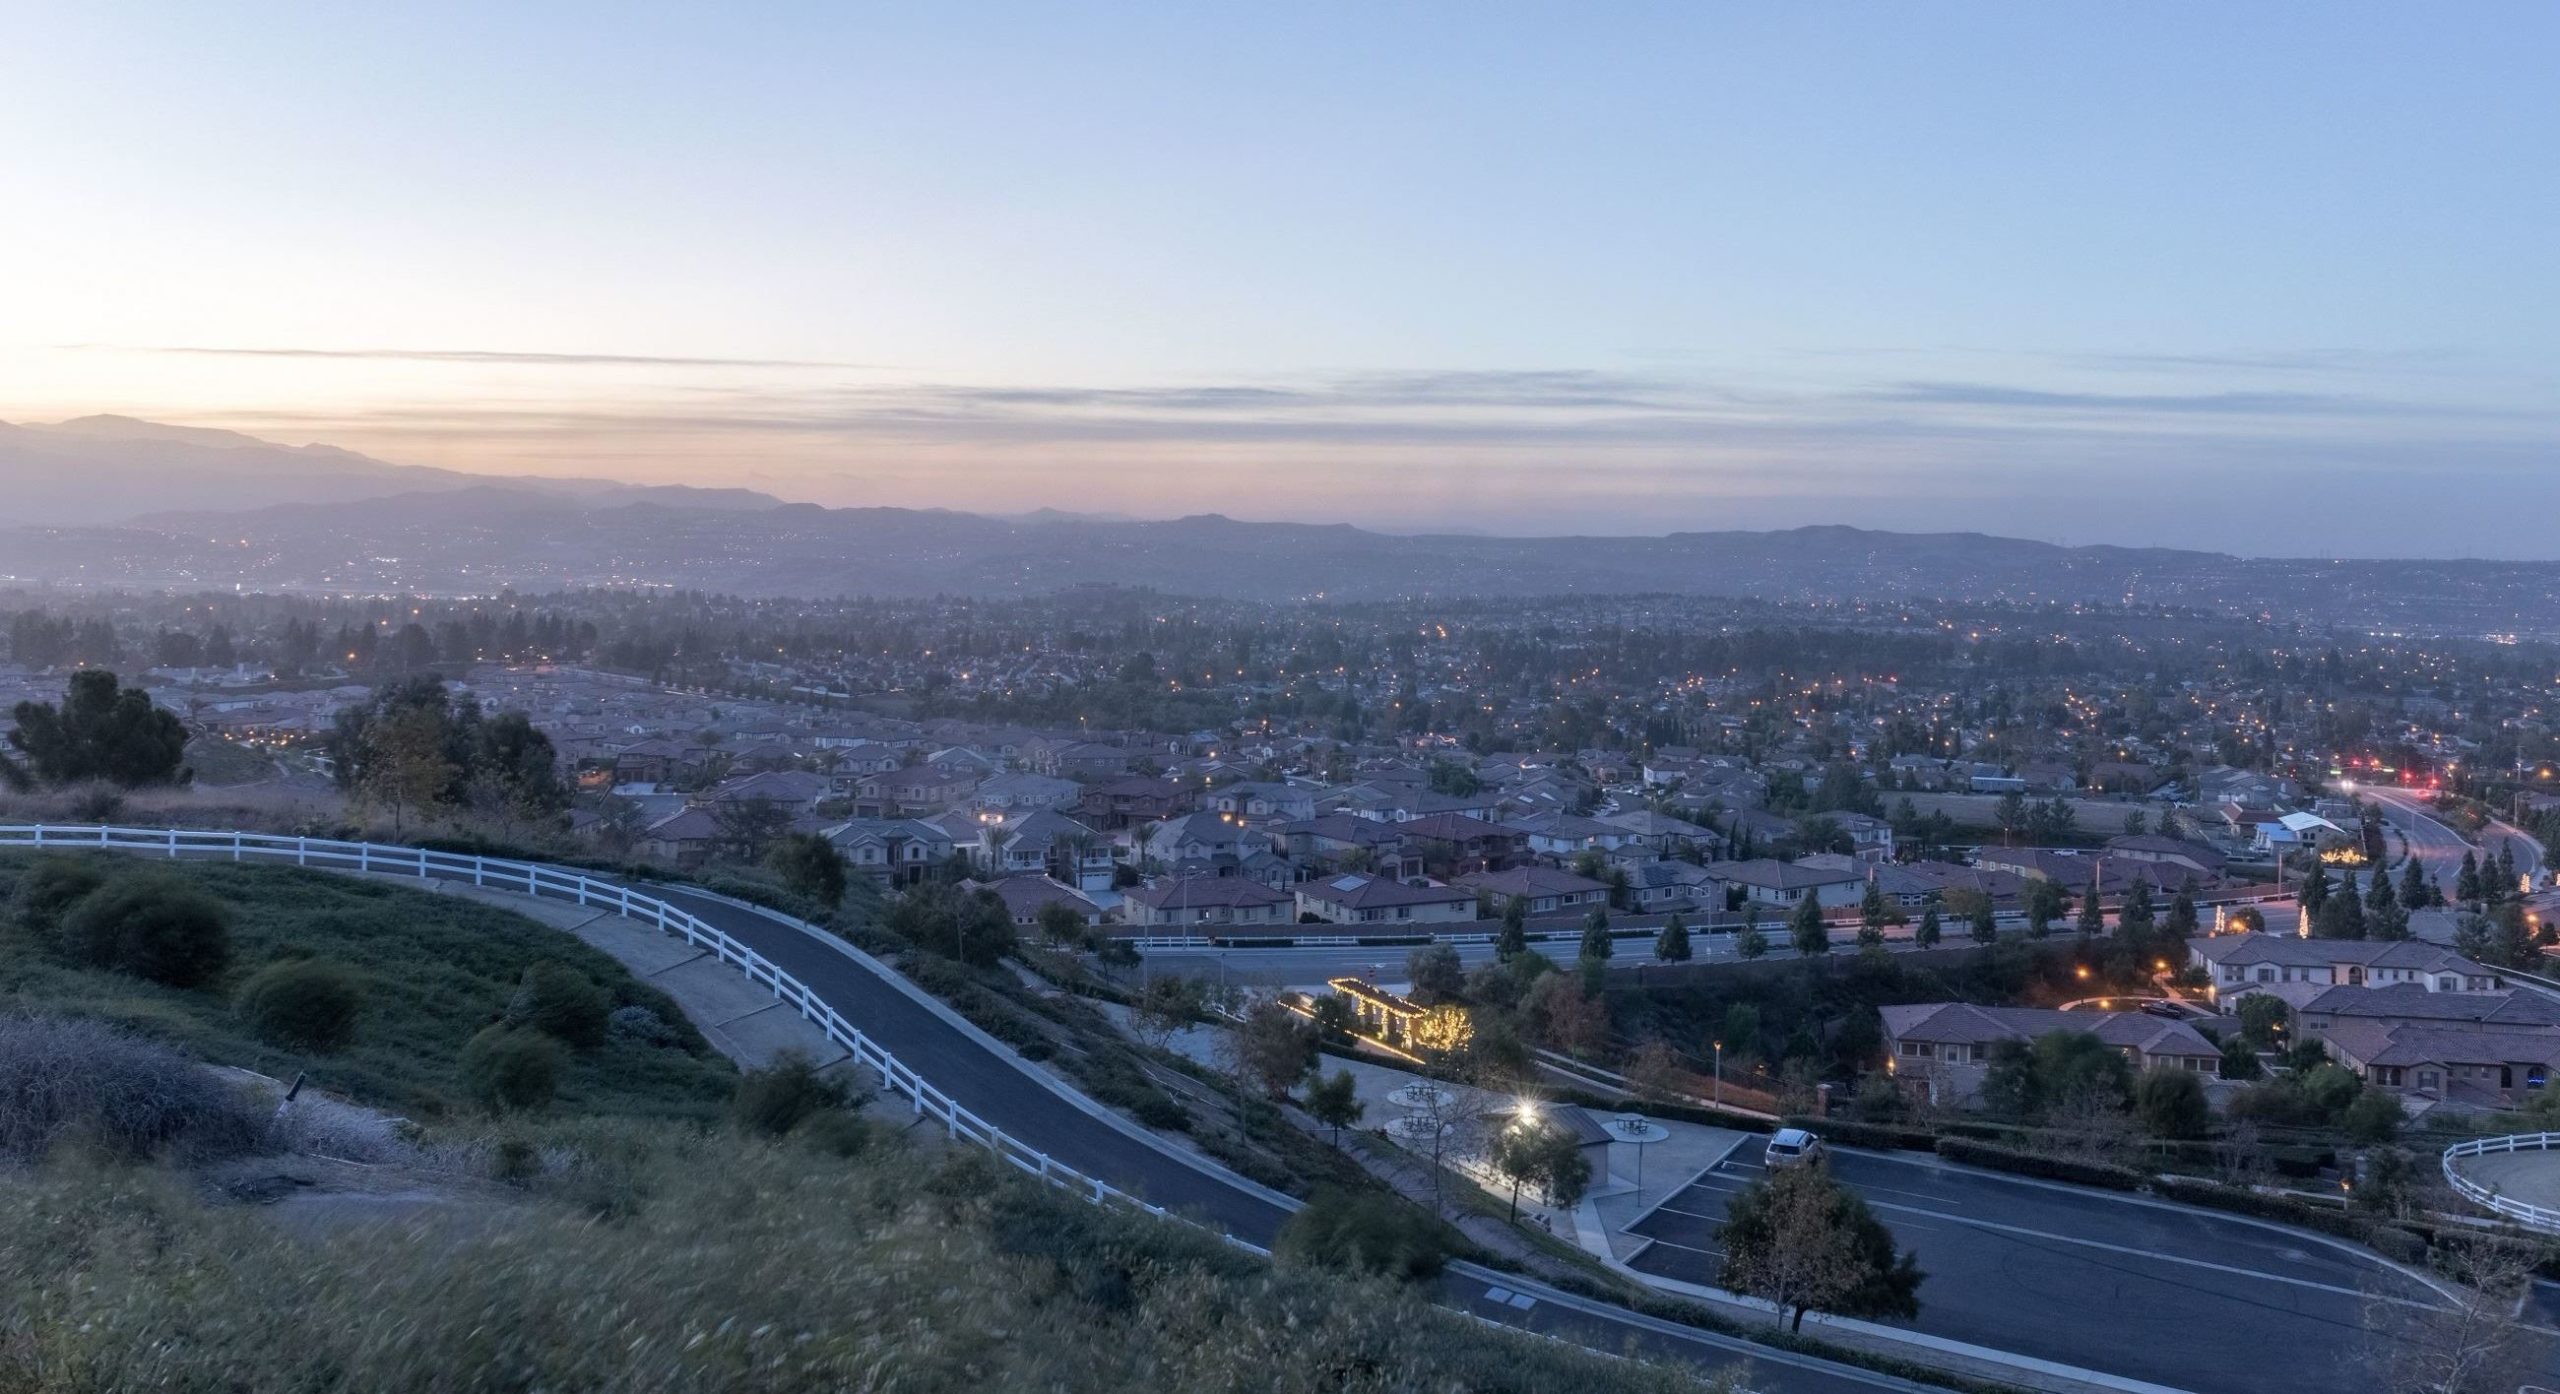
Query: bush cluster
column 150, row 925
column 1997, row 1158
column 511, row 1068
column 302, row 1004
column 1364, row 1232
column 562, row 1003
column 63, row 1080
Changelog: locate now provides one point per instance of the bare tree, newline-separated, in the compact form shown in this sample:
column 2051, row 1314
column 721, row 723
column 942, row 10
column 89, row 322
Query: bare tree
column 2472, row 1342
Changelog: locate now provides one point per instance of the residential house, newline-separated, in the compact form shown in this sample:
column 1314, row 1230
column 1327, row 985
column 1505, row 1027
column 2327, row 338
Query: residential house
column 1450, row 843
column 1786, row 883
column 1356, row 899
column 1665, row 836
column 898, row 851
column 1943, row 1049
column 1263, row 802
column 2204, row 862
column 2455, row 1064
column 1022, row 792
column 909, row 791
column 2297, row 969
column 687, row 837
column 1189, row 902
column 1132, row 800
column 1546, row 890
column 1025, row 897
column 1566, row 835
column 1213, row 838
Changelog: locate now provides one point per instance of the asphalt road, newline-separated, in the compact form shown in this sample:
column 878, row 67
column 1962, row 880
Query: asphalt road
column 1001, row 1092
column 2438, row 846
column 2181, row 1297
column 2187, row 1298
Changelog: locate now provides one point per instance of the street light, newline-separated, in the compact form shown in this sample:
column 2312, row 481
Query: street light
column 1719, row 1090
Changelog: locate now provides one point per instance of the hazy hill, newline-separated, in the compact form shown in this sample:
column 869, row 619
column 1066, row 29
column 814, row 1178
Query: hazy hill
column 466, row 538
column 108, row 469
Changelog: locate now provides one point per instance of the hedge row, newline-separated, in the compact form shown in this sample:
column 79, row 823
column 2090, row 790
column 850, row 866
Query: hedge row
column 1984, row 1154
column 1700, row 1114
column 1883, row 1136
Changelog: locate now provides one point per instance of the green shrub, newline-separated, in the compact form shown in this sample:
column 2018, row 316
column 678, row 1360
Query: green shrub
column 2374, row 1117
column 52, row 885
column 775, row 1099
column 150, row 925
column 834, row 1134
column 1364, row 1232
column 1881, row 1136
column 1983, row 1154
column 562, row 1003
column 302, row 1004
column 2171, row 1103
column 2240, row 1200
column 507, row 1068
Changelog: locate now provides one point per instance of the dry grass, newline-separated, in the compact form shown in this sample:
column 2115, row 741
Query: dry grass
column 734, row 1265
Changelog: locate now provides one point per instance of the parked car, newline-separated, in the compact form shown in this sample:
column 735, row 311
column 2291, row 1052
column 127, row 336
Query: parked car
column 1790, row 1147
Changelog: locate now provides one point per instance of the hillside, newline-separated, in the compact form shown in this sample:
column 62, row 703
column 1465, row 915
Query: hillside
column 97, row 470
column 617, row 1236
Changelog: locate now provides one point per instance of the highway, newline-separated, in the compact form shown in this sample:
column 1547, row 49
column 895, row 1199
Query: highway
column 2437, row 846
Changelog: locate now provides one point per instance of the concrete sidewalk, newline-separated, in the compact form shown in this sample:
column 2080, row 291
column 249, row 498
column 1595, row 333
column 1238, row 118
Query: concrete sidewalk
column 741, row 1020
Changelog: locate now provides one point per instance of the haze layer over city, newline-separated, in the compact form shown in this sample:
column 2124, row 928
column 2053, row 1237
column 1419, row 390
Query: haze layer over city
column 1806, row 699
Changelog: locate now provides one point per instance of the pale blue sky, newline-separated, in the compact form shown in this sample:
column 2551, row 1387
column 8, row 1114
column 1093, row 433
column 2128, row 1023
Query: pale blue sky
column 2276, row 278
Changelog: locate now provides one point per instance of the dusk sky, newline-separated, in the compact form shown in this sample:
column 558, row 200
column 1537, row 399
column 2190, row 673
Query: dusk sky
column 2274, row 278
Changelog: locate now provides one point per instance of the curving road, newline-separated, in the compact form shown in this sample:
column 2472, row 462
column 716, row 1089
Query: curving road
column 1973, row 1263
column 2438, row 847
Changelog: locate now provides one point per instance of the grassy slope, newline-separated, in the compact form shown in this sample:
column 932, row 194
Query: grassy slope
column 438, row 969
column 723, row 1264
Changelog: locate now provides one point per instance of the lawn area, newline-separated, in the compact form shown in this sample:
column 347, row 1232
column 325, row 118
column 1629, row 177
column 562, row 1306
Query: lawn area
column 436, row 969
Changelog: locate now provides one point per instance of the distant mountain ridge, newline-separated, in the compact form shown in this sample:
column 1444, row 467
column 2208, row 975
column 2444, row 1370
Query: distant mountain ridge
column 347, row 523
column 110, row 469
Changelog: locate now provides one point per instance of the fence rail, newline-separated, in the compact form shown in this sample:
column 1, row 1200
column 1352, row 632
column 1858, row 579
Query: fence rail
column 558, row 883
column 2538, row 1216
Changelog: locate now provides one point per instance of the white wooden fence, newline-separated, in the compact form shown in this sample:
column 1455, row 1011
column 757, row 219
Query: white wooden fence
column 2536, row 1216
column 559, row 883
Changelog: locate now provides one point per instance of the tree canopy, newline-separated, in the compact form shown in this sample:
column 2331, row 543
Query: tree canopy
column 102, row 730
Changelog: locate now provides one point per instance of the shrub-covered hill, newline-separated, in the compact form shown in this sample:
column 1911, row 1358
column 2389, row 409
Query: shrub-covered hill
column 641, row 1258
column 428, row 972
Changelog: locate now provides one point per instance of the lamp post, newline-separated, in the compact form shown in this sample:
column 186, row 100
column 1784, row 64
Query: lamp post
column 1719, row 1088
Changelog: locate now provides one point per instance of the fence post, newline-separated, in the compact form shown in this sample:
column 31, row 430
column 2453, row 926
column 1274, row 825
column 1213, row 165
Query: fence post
column 364, row 856
column 302, row 851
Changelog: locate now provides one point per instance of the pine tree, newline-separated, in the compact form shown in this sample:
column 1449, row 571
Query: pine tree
column 1926, row 936
column 1595, row 936
column 2466, row 884
column 2380, row 893
column 2506, row 871
column 1806, row 930
column 1985, row 927
column 2093, row 915
column 2315, row 889
column 1513, row 941
column 1749, row 941
column 1672, row 945
column 2413, row 886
